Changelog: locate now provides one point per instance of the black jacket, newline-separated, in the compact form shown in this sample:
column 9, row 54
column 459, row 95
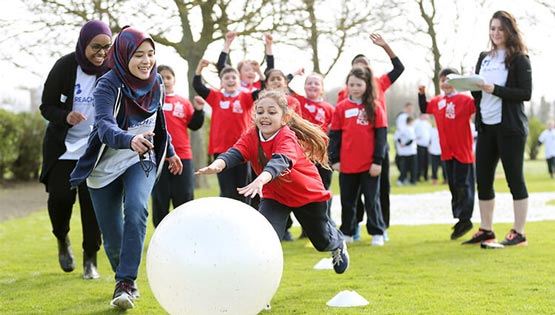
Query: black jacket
column 517, row 90
column 56, row 104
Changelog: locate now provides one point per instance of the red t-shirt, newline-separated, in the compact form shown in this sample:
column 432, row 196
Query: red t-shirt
column 317, row 112
column 452, row 115
column 382, row 83
column 178, row 112
column 294, row 104
column 296, row 186
column 249, row 88
column 231, row 115
column 357, row 135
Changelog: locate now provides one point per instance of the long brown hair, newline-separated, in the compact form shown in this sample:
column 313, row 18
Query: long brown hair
column 311, row 137
column 514, row 43
column 370, row 94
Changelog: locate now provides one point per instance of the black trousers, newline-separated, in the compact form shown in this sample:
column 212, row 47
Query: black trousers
column 460, row 177
column 551, row 165
column 177, row 188
column 385, row 190
column 423, row 162
column 436, row 164
column 493, row 145
column 351, row 186
column 231, row 179
column 313, row 218
column 60, row 206
column 408, row 167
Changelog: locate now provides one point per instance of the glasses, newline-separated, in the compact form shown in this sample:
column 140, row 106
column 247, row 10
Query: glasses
column 147, row 163
column 97, row 48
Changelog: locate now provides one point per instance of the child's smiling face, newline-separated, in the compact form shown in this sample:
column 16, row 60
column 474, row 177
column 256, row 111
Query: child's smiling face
column 269, row 117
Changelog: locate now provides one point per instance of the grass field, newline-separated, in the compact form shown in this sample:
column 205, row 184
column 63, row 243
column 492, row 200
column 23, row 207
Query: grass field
column 419, row 271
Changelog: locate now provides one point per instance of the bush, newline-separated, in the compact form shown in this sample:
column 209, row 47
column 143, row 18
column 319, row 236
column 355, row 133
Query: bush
column 27, row 164
column 10, row 137
column 536, row 128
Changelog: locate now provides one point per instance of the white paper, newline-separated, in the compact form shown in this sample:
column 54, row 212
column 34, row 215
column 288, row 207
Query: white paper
column 465, row 82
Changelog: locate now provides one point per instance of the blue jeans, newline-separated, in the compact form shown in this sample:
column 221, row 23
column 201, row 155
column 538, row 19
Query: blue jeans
column 124, row 230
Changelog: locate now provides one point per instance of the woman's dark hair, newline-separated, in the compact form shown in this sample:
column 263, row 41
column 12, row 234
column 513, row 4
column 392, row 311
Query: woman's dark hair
column 514, row 44
column 446, row 71
column 370, row 94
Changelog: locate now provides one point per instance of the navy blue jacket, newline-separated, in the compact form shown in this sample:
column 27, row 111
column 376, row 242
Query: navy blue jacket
column 109, row 129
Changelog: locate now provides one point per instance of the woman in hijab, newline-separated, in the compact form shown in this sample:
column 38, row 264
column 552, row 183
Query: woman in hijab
column 125, row 155
column 67, row 104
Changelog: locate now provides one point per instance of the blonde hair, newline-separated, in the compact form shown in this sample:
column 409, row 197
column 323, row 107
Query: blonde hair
column 319, row 76
column 311, row 137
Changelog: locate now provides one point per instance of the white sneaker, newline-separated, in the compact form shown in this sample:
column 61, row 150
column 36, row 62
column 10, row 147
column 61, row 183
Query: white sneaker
column 377, row 240
column 385, row 236
column 348, row 239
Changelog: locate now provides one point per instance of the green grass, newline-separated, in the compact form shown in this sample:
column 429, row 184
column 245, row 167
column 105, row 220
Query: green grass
column 419, row 272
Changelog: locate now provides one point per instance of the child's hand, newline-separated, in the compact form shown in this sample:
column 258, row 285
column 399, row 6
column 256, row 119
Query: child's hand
column 214, row 168
column 175, row 166
column 198, row 103
column 268, row 39
column 230, row 36
column 335, row 166
column 421, row 89
column 299, row 71
column 375, row 170
column 255, row 188
column 203, row 63
column 377, row 39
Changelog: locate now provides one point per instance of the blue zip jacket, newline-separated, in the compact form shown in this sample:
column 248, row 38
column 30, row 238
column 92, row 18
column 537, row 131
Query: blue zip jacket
column 109, row 129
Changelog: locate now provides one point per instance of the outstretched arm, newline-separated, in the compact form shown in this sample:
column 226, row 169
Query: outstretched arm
column 398, row 67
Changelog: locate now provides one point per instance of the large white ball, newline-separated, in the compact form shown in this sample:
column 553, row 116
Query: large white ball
column 214, row 256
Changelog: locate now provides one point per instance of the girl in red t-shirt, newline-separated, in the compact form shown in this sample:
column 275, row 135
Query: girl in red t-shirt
column 281, row 147
column 358, row 139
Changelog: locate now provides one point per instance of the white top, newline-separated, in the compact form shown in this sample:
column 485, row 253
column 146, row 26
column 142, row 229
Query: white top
column 435, row 147
column 422, row 130
column 401, row 121
column 115, row 162
column 83, row 102
column 406, row 135
column 493, row 70
column 547, row 137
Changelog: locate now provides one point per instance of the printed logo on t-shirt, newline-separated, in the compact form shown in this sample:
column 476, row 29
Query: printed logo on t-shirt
column 237, row 107
column 351, row 112
column 450, row 111
column 320, row 115
column 178, row 110
column 362, row 118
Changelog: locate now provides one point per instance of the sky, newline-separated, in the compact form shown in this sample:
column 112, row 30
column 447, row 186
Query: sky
column 15, row 82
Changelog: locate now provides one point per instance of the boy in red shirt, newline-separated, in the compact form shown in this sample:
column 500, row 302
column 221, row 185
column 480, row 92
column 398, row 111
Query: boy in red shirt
column 452, row 112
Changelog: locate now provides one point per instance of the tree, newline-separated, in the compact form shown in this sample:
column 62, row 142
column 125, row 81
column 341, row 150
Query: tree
column 189, row 27
column 314, row 24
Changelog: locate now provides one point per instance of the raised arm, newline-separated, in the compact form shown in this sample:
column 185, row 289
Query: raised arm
column 398, row 67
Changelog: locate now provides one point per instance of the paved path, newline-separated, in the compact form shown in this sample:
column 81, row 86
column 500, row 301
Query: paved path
column 432, row 208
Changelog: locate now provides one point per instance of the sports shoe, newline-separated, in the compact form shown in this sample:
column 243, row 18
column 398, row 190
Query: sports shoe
column 348, row 239
column 123, row 298
column 481, row 236
column 340, row 258
column 356, row 236
column 514, row 238
column 461, row 228
column 287, row 236
column 377, row 240
column 135, row 291
column 385, row 236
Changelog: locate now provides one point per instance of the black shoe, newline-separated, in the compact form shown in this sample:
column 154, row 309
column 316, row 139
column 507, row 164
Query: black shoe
column 514, row 238
column 89, row 266
column 461, row 228
column 288, row 237
column 123, row 298
column 65, row 255
column 481, row 236
column 340, row 258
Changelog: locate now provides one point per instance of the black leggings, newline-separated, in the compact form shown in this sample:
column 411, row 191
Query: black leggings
column 491, row 146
